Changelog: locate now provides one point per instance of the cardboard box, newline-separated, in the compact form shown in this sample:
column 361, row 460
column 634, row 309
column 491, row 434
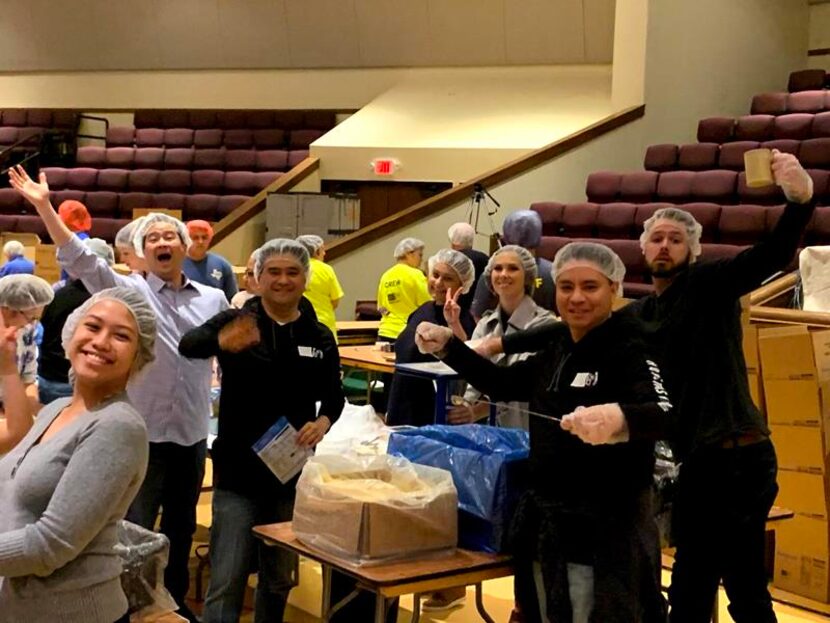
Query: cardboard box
column 801, row 448
column 750, row 348
column 804, row 493
column 797, row 402
column 801, row 557
column 794, row 353
column 756, row 391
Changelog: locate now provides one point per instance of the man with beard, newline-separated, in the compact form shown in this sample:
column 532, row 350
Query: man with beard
column 173, row 393
column 727, row 480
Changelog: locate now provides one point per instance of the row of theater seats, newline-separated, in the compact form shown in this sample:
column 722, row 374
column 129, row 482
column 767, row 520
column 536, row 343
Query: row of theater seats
column 112, row 210
column 792, row 126
column 718, row 186
column 38, row 118
column 152, row 181
column 783, row 103
column 189, row 158
column 813, row 153
column 726, row 230
column 808, row 80
column 207, row 138
column 235, row 119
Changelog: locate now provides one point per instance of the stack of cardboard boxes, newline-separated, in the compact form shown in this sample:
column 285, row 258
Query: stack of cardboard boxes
column 795, row 366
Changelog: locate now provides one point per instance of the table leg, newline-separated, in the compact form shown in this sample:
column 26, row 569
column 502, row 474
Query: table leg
column 380, row 608
column 416, row 607
column 325, row 606
column 480, row 605
column 441, row 399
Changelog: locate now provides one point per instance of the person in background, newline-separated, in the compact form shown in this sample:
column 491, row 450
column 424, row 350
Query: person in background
column 22, row 299
column 126, row 250
column 174, row 394
column 269, row 343
column 412, row 400
column 402, row 289
column 462, row 237
column 16, row 262
column 71, row 478
column 76, row 217
column 323, row 288
column 53, row 366
column 210, row 269
column 522, row 228
column 249, row 284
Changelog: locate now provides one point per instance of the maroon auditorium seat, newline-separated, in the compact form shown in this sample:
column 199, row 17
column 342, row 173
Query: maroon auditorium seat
column 644, row 212
column 755, row 128
column 796, row 126
column 714, row 252
column 661, row 157
column 114, row 180
column 32, row 224
column 127, row 202
column 821, row 125
column 806, row 101
column 821, row 185
column 271, row 160
column 121, row 136
column 786, row 145
column 179, row 158
column 102, row 203
column 716, row 186
column 231, row 119
column 200, row 206
column 732, row 154
column 238, row 139
column 767, row 195
column 208, row 138
column 81, row 178
column 814, row 153
column 10, row 202
column 148, row 158
column 9, row 135
column 143, row 180
column 178, row 137
column 806, row 80
column 208, row 181
column 55, row 177
column 259, row 119
column 296, row 156
column 638, row 187
column 602, row 186
column 107, row 228
column 631, row 255
column 239, row 183
column 202, row 119
column 240, row 159
column 15, row 117
column 578, row 219
column 615, row 220
column 174, row 181
column 697, row 156
column 209, row 159
column 769, row 104
column 39, row 117
column 171, row 201
column 319, row 119
column 65, row 119
column 550, row 245
column 119, row 157
column 8, row 222
column 149, row 137
column 302, row 139
column 147, row 119
column 269, row 139
column 743, row 224
column 551, row 214
column 716, row 130
column 289, row 119
column 675, row 186
column 90, row 156
column 228, row 204
column 174, row 119
column 264, row 178
column 708, row 215
column 818, row 229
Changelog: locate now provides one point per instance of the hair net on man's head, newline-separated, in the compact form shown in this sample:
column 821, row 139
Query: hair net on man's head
column 681, row 217
column 407, row 245
column 100, row 248
column 75, row 215
column 151, row 219
column 523, row 228
column 22, row 292
column 597, row 255
column 124, row 237
column 281, row 246
column 199, row 225
column 526, row 259
column 13, row 248
column 141, row 311
column 462, row 234
column 312, row 243
column 459, row 263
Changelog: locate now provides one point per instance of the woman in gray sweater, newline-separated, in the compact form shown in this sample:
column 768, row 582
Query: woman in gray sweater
column 71, row 478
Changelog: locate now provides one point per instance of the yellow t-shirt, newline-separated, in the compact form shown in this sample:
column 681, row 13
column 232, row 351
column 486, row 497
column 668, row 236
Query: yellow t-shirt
column 402, row 290
column 323, row 288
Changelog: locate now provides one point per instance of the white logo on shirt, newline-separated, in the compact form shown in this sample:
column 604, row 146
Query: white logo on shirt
column 585, row 379
column 216, row 274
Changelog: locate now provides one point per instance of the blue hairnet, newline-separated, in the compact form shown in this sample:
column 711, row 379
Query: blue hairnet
column 523, row 228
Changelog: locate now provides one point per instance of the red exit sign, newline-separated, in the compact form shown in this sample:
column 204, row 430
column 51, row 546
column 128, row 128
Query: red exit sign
column 384, row 166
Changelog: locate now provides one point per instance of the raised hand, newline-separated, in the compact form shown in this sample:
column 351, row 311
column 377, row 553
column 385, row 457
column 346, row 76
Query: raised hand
column 36, row 193
column 452, row 310
column 791, row 177
column 239, row 334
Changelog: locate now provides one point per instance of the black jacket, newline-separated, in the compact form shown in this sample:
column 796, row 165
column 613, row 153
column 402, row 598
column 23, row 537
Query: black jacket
column 52, row 363
column 586, row 504
column 294, row 366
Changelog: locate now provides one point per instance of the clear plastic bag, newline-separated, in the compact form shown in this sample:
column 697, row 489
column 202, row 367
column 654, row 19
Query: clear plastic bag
column 358, row 430
column 665, row 482
column 143, row 558
column 372, row 509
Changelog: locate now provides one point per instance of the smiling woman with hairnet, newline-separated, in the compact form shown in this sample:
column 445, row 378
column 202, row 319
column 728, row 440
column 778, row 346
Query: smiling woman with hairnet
column 76, row 471
column 586, row 520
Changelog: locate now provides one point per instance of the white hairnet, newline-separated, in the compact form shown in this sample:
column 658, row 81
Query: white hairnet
column 13, row 248
column 311, row 242
column 597, row 255
column 460, row 264
column 139, row 308
column 151, row 219
column 281, row 246
column 124, row 237
column 22, row 292
column 692, row 227
column 523, row 228
column 100, row 248
column 526, row 259
column 462, row 234
column 407, row 245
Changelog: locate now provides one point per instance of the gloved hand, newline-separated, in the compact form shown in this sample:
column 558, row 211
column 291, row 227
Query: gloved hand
column 432, row 338
column 600, row 424
column 791, row 177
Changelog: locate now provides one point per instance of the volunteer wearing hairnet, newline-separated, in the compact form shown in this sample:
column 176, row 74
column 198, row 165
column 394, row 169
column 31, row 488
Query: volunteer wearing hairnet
column 126, row 249
column 522, row 228
column 587, row 515
column 511, row 275
column 72, row 477
column 269, row 343
column 323, row 288
column 412, row 400
column 692, row 322
column 462, row 237
column 210, row 269
column 174, row 395
column 52, row 365
column 402, row 289
column 16, row 262
column 249, row 286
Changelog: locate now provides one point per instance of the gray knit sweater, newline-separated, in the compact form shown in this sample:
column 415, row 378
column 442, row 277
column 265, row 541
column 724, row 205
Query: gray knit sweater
column 59, row 504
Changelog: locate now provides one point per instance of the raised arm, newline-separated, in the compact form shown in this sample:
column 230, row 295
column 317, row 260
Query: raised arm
column 233, row 328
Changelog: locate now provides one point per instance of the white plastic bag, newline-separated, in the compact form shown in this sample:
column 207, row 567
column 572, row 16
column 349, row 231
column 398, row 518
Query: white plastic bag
column 814, row 264
column 358, row 430
column 143, row 556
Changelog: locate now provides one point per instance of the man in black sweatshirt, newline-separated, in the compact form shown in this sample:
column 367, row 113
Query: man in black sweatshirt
column 277, row 361
column 727, row 480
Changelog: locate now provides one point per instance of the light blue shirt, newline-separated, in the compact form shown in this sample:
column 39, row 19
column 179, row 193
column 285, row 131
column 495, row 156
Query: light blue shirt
column 212, row 270
column 172, row 393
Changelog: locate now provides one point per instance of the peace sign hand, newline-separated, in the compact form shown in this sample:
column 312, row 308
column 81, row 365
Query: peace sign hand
column 452, row 310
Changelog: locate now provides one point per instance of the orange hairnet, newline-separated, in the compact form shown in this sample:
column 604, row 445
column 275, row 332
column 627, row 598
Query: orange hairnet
column 75, row 215
column 199, row 225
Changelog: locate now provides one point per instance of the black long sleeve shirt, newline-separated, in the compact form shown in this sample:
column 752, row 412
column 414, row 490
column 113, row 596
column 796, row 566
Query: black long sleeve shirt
column 294, row 366
column 52, row 362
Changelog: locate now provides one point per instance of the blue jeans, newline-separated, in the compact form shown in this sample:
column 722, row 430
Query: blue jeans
column 234, row 550
column 49, row 391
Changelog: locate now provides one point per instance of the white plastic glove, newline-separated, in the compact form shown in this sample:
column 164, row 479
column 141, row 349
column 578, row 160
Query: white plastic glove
column 600, row 424
column 432, row 338
column 791, row 177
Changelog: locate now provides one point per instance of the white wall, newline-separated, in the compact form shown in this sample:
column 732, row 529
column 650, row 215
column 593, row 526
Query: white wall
column 819, row 35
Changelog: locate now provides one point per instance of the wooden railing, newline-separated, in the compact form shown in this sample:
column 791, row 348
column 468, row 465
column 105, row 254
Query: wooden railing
column 758, row 312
